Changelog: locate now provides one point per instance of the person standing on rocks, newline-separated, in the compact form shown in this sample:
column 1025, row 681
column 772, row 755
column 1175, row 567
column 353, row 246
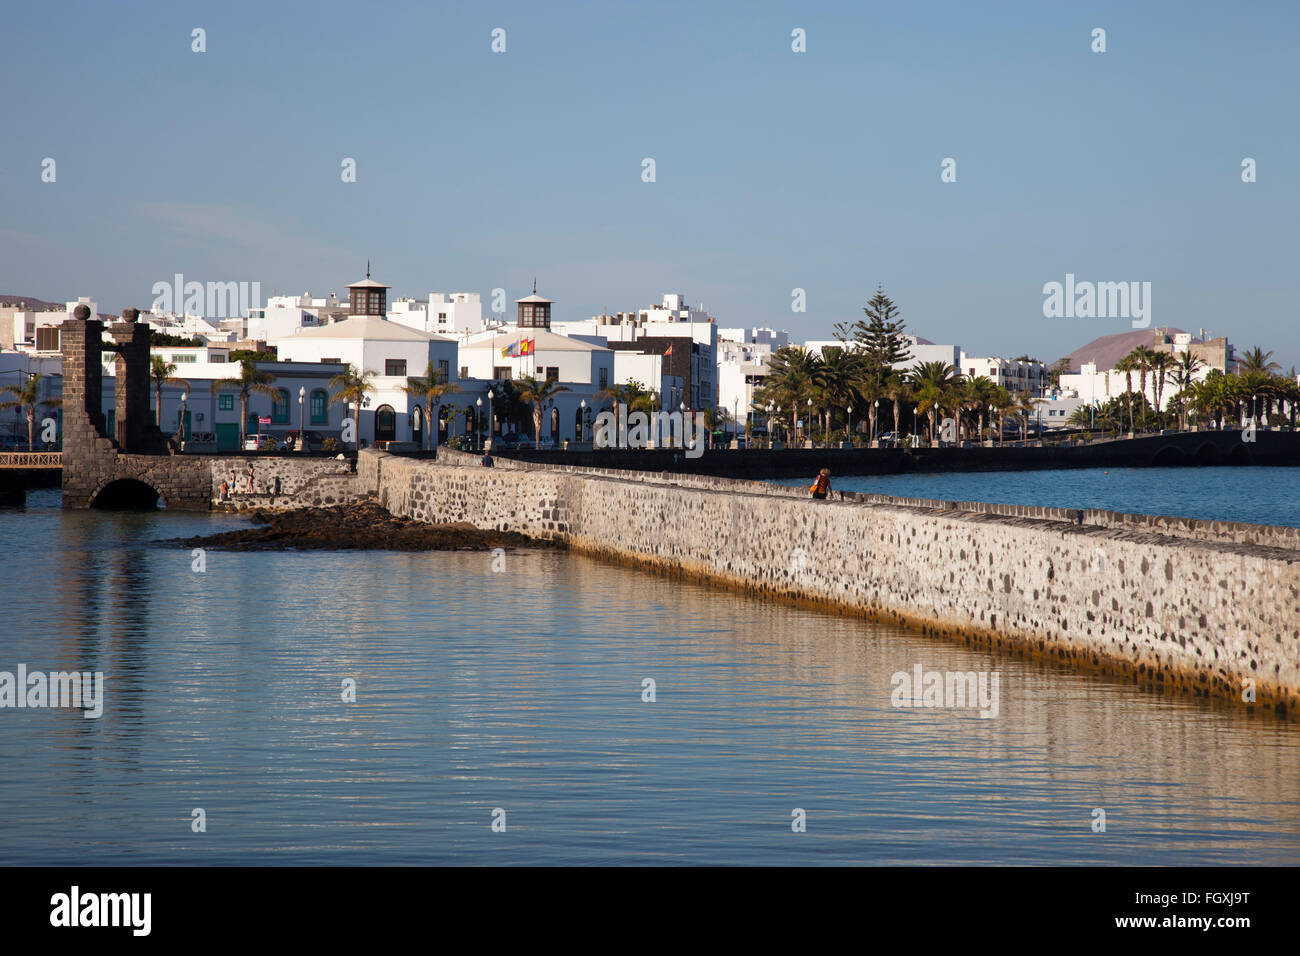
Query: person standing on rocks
column 821, row 486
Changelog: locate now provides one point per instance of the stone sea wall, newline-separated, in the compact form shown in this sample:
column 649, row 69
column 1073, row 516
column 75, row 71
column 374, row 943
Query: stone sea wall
column 1175, row 605
column 280, row 482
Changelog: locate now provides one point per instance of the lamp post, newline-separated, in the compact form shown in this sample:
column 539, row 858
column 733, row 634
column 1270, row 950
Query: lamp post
column 875, row 421
column 850, row 410
column 185, row 397
column 491, row 421
column 302, row 438
column 808, row 419
column 990, row 426
column 478, row 421
column 681, row 407
column 769, row 426
column 582, row 423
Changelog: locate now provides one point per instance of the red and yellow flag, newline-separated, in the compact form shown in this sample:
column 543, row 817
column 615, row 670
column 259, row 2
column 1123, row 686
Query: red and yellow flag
column 527, row 346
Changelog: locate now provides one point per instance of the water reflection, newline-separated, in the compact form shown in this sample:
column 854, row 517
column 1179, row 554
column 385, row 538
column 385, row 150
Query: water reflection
column 522, row 690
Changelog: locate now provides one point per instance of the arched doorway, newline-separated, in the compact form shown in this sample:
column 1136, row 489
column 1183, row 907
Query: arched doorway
column 555, row 425
column 126, row 494
column 579, row 425
column 417, row 424
column 385, row 423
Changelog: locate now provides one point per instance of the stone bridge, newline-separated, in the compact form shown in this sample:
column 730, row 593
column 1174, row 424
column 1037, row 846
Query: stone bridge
column 136, row 466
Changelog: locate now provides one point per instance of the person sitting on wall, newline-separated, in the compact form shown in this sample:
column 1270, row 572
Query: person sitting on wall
column 487, row 461
column 821, row 486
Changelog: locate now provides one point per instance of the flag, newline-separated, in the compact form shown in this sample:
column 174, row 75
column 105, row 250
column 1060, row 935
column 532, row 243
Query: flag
column 510, row 350
column 527, row 346
column 668, row 352
column 263, row 420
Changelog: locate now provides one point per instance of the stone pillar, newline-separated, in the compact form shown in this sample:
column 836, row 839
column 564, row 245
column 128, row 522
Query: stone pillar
column 136, row 431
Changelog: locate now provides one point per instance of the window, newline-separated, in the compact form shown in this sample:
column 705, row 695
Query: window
column 604, row 379
column 501, row 372
column 47, row 338
column 444, row 370
column 280, row 407
column 185, row 357
column 217, row 357
column 225, row 403
column 553, row 372
column 395, row 367
column 464, row 371
column 442, row 316
column 319, row 407
column 331, row 361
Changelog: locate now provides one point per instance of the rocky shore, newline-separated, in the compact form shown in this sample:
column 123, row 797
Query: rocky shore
column 363, row 526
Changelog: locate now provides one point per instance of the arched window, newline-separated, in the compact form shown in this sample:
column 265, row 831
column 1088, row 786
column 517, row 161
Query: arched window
column 319, row 406
column 280, row 407
column 417, row 423
column 385, row 423
column 579, row 425
column 555, row 424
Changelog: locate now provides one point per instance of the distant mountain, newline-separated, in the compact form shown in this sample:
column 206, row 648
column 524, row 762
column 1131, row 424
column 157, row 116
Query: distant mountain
column 1109, row 349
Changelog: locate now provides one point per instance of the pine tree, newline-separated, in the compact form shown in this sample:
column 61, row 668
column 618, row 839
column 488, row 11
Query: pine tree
column 880, row 338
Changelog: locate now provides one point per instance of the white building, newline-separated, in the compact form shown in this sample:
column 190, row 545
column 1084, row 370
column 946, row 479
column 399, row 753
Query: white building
column 284, row 314
column 457, row 313
column 394, row 352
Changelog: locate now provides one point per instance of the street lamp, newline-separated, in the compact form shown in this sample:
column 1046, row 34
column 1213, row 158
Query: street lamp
column 302, row 438
column 582, row 423
column 185, row 396
column 478, row 424
column 491, row 420
column 875, row 420
column 850, row 426
column 769, row 426
column 990, row 426
column 810, row 430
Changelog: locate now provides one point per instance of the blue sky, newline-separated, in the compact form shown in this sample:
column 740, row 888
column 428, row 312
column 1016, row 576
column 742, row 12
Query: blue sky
column 775, row 170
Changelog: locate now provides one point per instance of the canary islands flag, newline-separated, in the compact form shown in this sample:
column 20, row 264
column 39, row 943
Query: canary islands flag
column 511, row 350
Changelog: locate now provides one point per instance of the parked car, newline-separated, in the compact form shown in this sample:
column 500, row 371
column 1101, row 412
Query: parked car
column 508, row 441
column 313, row 441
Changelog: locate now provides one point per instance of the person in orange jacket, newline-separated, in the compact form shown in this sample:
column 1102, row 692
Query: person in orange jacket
column 821, row 486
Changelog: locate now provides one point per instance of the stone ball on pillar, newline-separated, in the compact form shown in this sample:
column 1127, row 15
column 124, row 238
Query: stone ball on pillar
column 130, row 315
column 81, row 312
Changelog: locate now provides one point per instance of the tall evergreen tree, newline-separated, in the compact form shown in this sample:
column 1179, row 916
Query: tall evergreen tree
column 880, row 337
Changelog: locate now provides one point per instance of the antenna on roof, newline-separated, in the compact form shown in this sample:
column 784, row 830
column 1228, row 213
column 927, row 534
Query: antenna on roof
column 367, row 268
column 534, row 285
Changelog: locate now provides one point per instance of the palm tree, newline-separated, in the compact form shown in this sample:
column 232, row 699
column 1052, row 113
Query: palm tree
column 535, row 393
column 353, row 386
column 1001, row 401
column 1128, row 365
column 160, row 373
column 979, row 396
column 934, row 385
column 1257, row 360
column 432, row 389
column 1024, row 405
column 898, row 390
column 1183, row 375
column 251, row 379
column 28, row 396
column 1161, row 365
column 792, row 378
column 1141, row 357
column 840, row 377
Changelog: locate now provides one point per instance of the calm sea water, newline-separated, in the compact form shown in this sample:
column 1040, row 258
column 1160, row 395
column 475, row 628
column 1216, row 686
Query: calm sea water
column 1256, row 495
column 522, row 690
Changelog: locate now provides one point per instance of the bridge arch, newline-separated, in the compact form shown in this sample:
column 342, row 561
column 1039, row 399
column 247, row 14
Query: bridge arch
column 1207, row 454
column 125, row 494
column 1169, row 456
